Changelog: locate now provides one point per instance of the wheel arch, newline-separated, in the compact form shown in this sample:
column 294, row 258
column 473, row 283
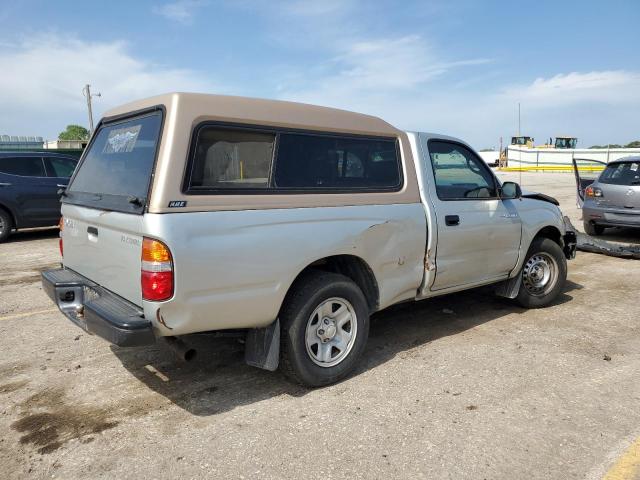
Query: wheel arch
column 13, row 216
column 531, row 232
column 551, row 232
column 352, row 267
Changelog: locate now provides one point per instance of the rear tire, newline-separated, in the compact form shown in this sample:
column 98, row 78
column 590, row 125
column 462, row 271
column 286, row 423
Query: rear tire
column 544, row 274
column 593, row 229
column 325, row 325
column 6, row 225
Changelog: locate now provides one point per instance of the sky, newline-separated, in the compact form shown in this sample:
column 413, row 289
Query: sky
column 458, row 67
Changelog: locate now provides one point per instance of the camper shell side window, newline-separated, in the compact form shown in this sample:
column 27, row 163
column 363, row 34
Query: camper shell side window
column 228, row 159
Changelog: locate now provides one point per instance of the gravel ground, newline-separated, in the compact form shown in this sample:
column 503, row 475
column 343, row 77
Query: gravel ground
column 465, row 386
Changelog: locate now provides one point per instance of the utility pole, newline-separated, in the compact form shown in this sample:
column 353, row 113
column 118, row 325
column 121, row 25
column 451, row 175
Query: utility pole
column 86, row 91
column 519, row 149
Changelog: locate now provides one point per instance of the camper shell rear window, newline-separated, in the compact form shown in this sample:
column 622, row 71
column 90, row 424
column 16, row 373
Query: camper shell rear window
column 115, row 171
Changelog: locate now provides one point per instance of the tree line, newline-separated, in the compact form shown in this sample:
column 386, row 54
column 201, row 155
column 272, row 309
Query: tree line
column 634, row 144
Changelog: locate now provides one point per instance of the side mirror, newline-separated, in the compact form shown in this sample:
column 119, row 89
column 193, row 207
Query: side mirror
column 510, row 190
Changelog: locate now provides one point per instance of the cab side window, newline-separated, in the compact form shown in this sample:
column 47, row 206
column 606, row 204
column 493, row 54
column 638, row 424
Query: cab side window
column 23, row 166
column 459, row 173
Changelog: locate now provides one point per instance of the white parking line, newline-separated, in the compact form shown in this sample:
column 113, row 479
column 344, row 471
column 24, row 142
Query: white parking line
column 26, row 314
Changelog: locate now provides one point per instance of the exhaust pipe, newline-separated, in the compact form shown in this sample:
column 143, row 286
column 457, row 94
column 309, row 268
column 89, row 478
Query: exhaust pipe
column 181, row 349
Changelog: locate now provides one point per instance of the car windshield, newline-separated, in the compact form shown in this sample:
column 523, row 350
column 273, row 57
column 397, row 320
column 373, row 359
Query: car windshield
column 626, row 173
column 118, row 165
column 566, row 142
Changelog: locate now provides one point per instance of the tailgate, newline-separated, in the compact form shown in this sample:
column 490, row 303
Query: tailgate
column 103, row 206
column 105, row 247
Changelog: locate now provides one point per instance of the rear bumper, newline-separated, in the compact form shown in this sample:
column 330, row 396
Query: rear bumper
column 610, row 218
column 97, row 310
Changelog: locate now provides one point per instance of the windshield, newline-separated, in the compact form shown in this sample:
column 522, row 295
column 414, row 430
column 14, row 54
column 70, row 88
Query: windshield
column 621, row 174
column 566, row 142
column 520, row 140
column 117, row 167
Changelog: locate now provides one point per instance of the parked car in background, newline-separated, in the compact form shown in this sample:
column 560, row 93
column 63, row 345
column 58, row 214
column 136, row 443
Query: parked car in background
column 29, row 184
column 610, row 198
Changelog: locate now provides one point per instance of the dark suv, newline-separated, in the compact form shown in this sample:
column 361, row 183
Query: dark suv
column 29, row 184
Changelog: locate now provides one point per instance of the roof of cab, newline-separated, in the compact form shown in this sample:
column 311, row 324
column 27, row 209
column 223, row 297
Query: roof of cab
column 232, row 109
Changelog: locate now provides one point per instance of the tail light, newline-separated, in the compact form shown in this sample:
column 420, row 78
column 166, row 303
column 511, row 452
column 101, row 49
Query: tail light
column 61, row 227
column 156, row 271
column 593, row 191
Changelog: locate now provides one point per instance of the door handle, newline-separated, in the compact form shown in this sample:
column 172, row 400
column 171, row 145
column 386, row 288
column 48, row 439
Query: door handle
column 61, row 185
column 5, row 184
column 92, row 231
column 452, row 220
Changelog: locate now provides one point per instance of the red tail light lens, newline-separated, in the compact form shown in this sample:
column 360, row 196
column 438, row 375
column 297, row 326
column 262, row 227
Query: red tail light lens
column 157, row 271
column 593, row 191
column 61, row 227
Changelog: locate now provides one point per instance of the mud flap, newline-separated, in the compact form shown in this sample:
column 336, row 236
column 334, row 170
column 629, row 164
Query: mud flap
column 262, row 347
column 509, row 288
column 569, row 239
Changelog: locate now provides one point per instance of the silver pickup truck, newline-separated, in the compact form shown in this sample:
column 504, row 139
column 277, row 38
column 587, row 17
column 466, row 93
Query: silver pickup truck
column 288, row 224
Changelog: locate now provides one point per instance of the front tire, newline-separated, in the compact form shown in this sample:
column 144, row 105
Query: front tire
column 6, row 224
column 325, row 326
column 544, row 274
column 593, row 229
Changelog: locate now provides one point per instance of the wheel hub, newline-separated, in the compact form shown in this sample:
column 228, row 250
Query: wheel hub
column 539, row 274
column 327, row 330
column 331, row 332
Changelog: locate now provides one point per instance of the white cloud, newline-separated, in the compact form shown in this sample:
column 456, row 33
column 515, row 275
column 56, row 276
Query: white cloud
column 379, row 67
column 42, row 93
column 402, row 62
column 605, row 87
column 181, row 11
column 597, row 107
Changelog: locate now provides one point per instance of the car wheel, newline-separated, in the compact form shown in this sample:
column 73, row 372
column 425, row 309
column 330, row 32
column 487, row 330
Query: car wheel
column 543, row 274
column 325, row 325
column 6, row 224
column 593, row 229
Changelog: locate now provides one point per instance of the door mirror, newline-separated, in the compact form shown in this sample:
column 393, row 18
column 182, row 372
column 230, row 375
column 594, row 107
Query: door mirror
column 510, row 190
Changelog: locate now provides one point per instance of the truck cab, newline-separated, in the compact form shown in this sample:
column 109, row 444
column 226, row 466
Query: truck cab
column 479, row 229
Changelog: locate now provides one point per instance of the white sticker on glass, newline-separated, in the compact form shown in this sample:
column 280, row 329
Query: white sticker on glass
column 122, row 140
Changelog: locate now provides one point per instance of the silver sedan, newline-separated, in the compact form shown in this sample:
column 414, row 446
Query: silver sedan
column 613, row 199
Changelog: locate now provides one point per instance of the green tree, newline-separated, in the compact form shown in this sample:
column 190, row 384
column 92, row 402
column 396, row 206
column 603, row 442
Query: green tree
column 74, row 132
column 634, row 144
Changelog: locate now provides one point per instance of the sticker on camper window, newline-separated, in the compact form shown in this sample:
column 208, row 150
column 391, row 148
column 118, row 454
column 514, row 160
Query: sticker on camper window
column 634, row 167
column 122, row 140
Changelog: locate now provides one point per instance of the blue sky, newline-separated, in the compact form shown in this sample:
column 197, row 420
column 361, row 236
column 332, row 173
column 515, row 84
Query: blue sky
column 456, row 67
